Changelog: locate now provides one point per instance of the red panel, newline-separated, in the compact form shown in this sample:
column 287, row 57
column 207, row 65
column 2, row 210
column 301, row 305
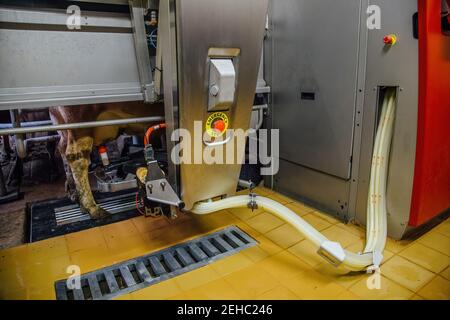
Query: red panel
column 431, row 192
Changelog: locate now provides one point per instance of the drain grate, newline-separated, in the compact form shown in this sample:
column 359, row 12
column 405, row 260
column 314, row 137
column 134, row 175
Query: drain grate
column 72, row 213
column 145, row 271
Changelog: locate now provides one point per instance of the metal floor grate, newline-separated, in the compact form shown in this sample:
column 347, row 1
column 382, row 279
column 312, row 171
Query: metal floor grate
column 145, row 271
column 72, row 213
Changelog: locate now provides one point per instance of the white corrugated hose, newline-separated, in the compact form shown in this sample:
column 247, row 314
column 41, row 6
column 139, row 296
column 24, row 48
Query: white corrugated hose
column 376, row 208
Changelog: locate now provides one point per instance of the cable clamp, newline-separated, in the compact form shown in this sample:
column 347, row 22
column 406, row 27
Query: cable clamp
column 377, row 259
column 252, row 203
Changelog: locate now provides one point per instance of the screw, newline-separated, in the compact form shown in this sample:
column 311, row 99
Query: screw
column 163, row 185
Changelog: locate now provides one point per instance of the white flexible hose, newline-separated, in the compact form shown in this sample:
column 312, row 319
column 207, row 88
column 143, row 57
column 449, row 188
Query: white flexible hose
column 376, row 209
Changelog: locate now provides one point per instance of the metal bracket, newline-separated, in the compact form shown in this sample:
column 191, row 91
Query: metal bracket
column 158, row 189
column 377, row 259
column 141, row 48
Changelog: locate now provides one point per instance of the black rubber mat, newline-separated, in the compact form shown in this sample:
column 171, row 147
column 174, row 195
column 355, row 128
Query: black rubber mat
column 41, row 221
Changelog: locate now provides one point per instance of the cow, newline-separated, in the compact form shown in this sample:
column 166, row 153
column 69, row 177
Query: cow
column 76, row 145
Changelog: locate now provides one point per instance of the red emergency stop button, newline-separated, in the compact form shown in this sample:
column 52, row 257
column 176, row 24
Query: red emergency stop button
column 219, row 125
column 390, row 39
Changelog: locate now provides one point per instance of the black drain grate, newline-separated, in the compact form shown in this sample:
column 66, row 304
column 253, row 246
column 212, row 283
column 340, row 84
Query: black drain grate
column 145, row 271
column 72, row 213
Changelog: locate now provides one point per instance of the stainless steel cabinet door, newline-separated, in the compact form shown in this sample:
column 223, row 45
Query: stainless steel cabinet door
column 315, row 61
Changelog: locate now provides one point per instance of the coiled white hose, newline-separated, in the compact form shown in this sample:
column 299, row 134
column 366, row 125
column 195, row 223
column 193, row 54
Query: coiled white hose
column 376, row 208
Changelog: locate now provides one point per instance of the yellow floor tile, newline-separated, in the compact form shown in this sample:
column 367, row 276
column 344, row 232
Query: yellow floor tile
column 444, row 228
column 45, row 273
column 119, row 230
column 446, row 273
column 300, row 208
column 196, row 278
column 397, row 246
column 181, row 218
column 93, row 258
column 284, row 266
column 278, row 293
column 335, row 233
column 264, row 222
column 231, row 264
column 285, row 236
column 126, row 248
column 268, row 246
column 147, row 224
column 340, row 276
column 353, row 229
column 326, row 217
column 159, row 291
column 247, row 229
column 437, row 289
column 222, row 219
column 262, row 191
column 255, row 253
column 49, row 248
column 245, row 213
column 42, row 294
column 307, row 252
column 318, row 223
column 84, row 239
column 428, row 258
column 406, row 273
column 251, row 282
column 215, row 290
column 20, row 294
column 389, row 290
column 13, row 257
column 180, row 297
column 12, row 284
column 311, row 285
column 437, row 241
column 280, row 198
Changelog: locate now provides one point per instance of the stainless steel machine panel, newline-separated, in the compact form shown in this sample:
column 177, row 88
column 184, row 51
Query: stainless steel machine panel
column 398, row 67
column 234, row 25
column 314, row 81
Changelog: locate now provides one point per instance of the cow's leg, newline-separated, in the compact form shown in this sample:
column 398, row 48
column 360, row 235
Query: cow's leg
column 71, row 188
column 78, row 155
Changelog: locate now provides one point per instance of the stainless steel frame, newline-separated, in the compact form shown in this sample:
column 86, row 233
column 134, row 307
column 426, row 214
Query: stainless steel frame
column 43, row 63
column 189, row 30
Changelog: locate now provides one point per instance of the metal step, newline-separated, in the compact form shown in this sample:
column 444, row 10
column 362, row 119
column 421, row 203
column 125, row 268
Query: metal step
column 72, row 213
column 148, row 270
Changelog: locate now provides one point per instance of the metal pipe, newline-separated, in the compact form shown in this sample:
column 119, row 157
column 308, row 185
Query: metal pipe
column 26, row 124
column 246, row 184
column 80, row 125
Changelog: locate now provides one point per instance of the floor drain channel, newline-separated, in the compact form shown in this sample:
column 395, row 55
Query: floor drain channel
column 145, row 271
column 72, row 213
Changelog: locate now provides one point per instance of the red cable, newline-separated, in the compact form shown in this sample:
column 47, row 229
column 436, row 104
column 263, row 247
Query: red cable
column 151, row 130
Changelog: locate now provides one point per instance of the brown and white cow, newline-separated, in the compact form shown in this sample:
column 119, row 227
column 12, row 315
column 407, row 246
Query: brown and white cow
column 76, row 145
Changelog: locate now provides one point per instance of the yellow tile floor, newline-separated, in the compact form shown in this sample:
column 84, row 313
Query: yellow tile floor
column 283, row 266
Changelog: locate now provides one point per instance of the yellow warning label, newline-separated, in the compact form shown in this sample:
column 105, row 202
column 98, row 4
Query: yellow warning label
column 217, row 124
